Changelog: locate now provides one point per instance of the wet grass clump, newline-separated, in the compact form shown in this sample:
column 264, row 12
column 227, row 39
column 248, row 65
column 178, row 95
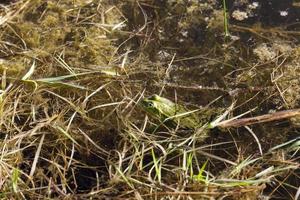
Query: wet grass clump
column 73, row 74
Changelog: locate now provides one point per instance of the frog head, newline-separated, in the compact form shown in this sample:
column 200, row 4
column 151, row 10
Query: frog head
column 159, row 107
column 153, row 105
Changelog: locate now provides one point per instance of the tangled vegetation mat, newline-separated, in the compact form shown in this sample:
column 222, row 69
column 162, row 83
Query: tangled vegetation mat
column 73, row 74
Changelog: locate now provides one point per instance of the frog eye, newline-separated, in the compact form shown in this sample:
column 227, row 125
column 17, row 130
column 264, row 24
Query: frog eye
column 151, row 104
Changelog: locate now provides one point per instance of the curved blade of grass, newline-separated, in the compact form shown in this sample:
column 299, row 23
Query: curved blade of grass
column 30, row 72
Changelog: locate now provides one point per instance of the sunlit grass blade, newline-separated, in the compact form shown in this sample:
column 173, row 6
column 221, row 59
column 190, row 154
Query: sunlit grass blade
column 295, row 146
column 64, row 77
column 59, row 80
column 30, row 72
column 290, row 145
column 200, row 177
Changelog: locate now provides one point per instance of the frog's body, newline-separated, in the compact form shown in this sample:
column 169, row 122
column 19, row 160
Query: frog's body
column 166, row 110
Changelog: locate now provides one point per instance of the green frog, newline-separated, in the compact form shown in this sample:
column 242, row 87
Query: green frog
column 166, row 110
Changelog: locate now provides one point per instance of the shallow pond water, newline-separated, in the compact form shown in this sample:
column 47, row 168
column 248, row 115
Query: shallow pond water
column 74, row 71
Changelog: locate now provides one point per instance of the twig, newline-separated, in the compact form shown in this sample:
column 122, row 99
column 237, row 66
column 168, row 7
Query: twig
column 259, row 119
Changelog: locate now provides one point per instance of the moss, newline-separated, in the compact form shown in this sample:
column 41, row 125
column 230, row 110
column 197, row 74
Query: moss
column 51, row 20
column 45, row 29
column 13, row 68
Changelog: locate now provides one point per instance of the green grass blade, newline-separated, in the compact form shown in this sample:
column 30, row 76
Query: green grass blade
column 200, row 176
column 15, row 178
column 157, row 166
column 226, row 29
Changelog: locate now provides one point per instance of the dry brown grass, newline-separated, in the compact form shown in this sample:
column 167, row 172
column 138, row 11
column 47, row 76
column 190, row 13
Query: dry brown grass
column 72, row 73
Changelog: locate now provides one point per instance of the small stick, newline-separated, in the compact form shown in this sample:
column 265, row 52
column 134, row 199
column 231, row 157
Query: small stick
column 259, row 119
